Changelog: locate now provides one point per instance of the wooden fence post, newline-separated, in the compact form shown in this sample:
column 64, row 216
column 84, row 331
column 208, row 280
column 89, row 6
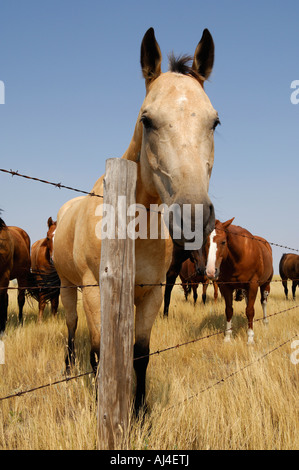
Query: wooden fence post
column 117, row 280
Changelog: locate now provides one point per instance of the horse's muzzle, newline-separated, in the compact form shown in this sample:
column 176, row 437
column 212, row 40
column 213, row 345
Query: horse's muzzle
column 198, row 227
column 212, row 275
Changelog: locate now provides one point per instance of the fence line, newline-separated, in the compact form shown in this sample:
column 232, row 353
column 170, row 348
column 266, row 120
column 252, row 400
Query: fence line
column 102, row 426
column 158, row 352
column 213, row 334
column 232, row 374
column 60, row 185
column 160, row 284
column 57, row 185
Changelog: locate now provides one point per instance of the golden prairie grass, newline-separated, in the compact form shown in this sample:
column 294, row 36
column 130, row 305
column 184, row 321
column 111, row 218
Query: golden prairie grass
column 205, row 395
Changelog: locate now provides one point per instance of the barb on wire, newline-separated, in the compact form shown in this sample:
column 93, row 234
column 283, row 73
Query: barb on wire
column 57, row 185
column 252, row 237
column 40, row 387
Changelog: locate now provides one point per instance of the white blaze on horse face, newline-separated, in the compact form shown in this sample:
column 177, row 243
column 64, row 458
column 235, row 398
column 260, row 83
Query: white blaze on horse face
column 211, row 263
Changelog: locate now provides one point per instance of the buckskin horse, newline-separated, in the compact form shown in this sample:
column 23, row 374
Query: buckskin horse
column 173, row 146
column 289, row 269
column 14, row 264
column 239, row 261
column 41, row 267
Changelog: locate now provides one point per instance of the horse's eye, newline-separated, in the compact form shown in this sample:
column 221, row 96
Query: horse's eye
column 146, row 121
column 216, row 122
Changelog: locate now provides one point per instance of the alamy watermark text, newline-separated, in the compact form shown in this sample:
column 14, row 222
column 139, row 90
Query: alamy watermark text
column 295, row 94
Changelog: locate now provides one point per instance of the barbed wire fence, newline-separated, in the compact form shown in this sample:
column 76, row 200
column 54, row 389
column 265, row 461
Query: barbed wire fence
column 157, row 352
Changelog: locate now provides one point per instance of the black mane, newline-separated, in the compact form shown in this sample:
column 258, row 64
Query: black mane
column 181, row 64
column 2, row 224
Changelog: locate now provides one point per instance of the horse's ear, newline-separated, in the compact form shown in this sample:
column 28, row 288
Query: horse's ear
column 227, row 223
column 50, row 222
column 204, row 56
column 150, row 56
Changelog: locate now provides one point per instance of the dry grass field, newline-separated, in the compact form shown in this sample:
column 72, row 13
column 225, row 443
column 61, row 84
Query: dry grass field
column 204, row 395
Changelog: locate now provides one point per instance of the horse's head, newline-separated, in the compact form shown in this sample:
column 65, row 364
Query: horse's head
column 199, row 259
column 50, row 237
column 178, row 123
column 216, row 248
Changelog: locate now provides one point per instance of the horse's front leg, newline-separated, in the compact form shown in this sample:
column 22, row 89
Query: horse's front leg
column 227, row 293
column 21, row 297
column 251, row 296
column 69, row 301
column 204, row 291
column 265, row 291
column 178, row 257
column 294, row 285
column 146, row 311
column 3, row 309
column 285, row 287
column 41, row 307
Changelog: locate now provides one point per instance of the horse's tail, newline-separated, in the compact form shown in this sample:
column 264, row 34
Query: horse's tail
column 45, row 283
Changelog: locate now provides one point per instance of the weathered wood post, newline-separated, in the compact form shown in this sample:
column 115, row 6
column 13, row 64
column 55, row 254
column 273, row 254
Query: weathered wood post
column 117, row 280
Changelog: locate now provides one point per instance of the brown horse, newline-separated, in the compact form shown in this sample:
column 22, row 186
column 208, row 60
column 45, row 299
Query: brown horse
column 189, row 265
column 191, row 280
column 289, row 269
column 173, row 146
column 14, row 264
column 41, row 267
column 239, row 261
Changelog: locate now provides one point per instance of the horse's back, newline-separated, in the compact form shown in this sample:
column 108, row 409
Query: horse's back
column 289, row 266
column 256, row 252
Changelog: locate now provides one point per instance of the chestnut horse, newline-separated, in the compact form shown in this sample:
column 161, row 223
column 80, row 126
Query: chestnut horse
column 239, row 261
column 41, row 267
column 289, row 269
column 14, row 264
column 191, row 280
column 173, row 146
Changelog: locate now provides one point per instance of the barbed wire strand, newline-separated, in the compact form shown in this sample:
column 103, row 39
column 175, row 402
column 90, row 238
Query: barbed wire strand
column 60, row 185
column 57, row 185
column 232, row 374
column 212, row 334
column 160, row 284
column 158, row 352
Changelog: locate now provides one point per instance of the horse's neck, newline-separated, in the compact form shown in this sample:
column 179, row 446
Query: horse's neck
column 133, row 154
column 235, row 243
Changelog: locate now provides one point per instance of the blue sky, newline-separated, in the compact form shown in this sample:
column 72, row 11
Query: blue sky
column 73, row 89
